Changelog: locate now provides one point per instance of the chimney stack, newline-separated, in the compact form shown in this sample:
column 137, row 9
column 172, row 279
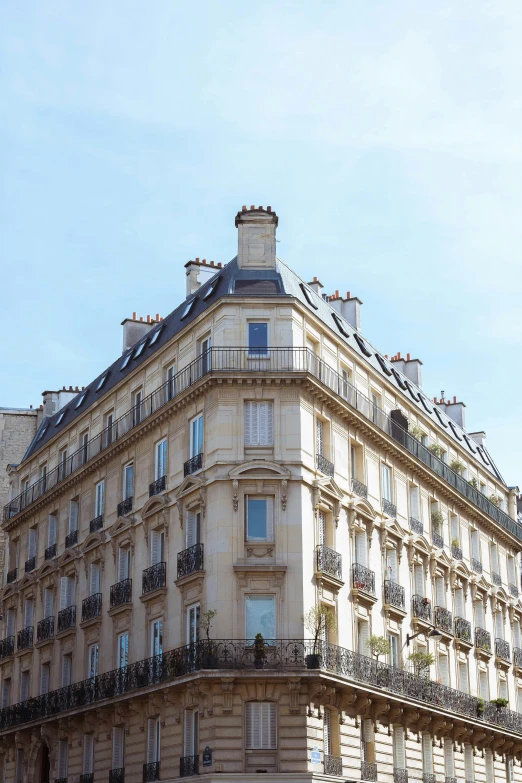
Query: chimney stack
column 256, row 238
column 198, row 272
column 409, row 367
column 479, row 437
column 455, row 410
column 316, row 286
column 134, row 329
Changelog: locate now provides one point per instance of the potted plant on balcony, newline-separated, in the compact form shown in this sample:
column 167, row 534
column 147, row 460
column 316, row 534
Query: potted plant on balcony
column 458, row 466
column 259, row 651
column 210, row 659
column 319, row 620
column 437, row 519
column 416, row 432
column 379, row 645
column 499, row 703
column 495, row 499
column 481, row 706
column 436, row 449
column 473, row 482
column 421, row 663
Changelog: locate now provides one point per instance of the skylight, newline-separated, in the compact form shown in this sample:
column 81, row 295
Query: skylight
column 102, row 381
column 155, row 335
column 439, row 417
column 188, row 308
column 212, row 288
column 362, row 345
column 340, row 325
column 427, row 407
column 60, row 417
column 308, row 295
column 383, row 364
column 126, row 361
column 44, row 430
column 80, row 401
column 470, row 445
column 139, row 349
column 455, row 431
column 399, row 379
column 412, row 391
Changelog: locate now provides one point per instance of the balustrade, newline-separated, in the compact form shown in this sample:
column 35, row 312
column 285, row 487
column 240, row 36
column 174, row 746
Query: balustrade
column 363, row 579
column 324, row 465
column 154, row 578
column 329, row 561
column 393, row 594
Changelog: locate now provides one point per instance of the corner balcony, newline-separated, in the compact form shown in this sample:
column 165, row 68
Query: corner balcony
column 483, row 640
column 157, row 486
column 25, row 638
column 324, row 465
column 193, row 464
column 96, row 524
column 71, row 539
column 121, row 593
column 363, row 580
column 463, row 630
column 66, row 619
column 443, row 620
column 30, row 564
column 50, row 552
column 416, row 526
column 91, row 607
column 188, row 766
column 190, row 560
column 45, row 629
column 154, row 578
column 421, row 608
column 328, row 562
column 389, row 508
column 394, row 594
column 359, row 488
column 369, row 771
column 7, row 646
column 333, row 765
column 151, row 772
column 125, row 507
column 502, row 652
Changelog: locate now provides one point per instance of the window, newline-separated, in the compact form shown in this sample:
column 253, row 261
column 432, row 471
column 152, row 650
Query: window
column 308, row 296
column 257, row 339
column 484, row 684
column 449, row 763
column 19, row 771
column 24, row 685
column 28, row 612
column 386, row 482
column 363, row 634
column 479, row 614
column 464, row 680
column 126, row 361
column 211, row 288
column 124, row 555
column 137, row 408
column 128, row 481
column 62, row 467
column 375, row 404
column 32, row 542
column 427, row 754
column 415, row 511
column 205, row 355
column 260, row 518
column 48, row 602
column 193, row 624
column 10, row 622
column 367, row 741
column 6, row 692
column 392, row 565
column 25, row 485
column 191, row 732
column 322, row 527
column 259, row 424
column 454, row 530
column 42, row 432
column 155, row 335
column 84, row 447
column 153, row 740
column 52, row 525
column 109, row 428
column 511, row 571
column 66, row 670
column 419, row 583
column 516, row 634
column 519, row 700
column 94, row 578
column 118, row 747
column 139, row 349
column 440, row 591
column 319, row 438
column 160, row 468
column 88, row 754
column 171, row 382
column 102, row 381
column 444, row 672
column 60, row 417
column 63, row 748
column 193, row 527
column 80, row 400
column 43, row 478
column 499, row 625
column 399, row 755
column 92, row 660
column 475, row 546
column 340, row 325
column 345, row 383
column 188, row 307
column 156, row 637
column 356, row 462
column 260, row 616
column 361, row 548
column 490, row 765
column 196, row 436
column 261, row 725
column 74, row 512
column 394, row 650
column 460, row 609
column 99, row 503
column 45, row 677
column 503, row 688
column 123, row 650
column 67, row 591
column 157, row 545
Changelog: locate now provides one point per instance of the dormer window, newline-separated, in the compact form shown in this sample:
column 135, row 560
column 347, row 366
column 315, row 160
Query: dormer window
column 155, row 336
column 139, row 349
column 102, row 380
column 80, row 401
column 212, row 288
column 60, row 417
column 308, row 295
column 188, row 307
column 126, row 361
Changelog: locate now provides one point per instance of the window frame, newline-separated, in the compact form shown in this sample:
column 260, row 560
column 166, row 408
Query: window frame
column 260, row 352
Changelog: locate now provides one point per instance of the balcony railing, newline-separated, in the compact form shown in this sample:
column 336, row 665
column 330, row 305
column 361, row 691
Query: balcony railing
column 443, row 619
column 157, row 486
column 125, row 507
column 389, row 508
column 121, row 593
column 30, row 564
column 71, row 539
column 60, row 780
column 450, row 780
column 497, row 579
column 502, row 649
column 328, row 561
column 154, row 578
column 359, row 488
column 45, row 629
column 517, row 657
column 190, row 560
column 188, row 766
column 483, row 639
column 369, row 771
column 429, row 777
column 416, row 526
column 437, row 540
column 91, row 607
column 25, row 638
column 7, row 647
column 400, row 775
column 96, row 523
column 363, row 579
column 333, row 765
column 117, row 775
column 421, row 608
column 66, row 619
column 193, row 464
column 151, row 772
column 456, row 552
column 324, row 465
column 463, row 629
column 393, row 594
column 513, row 589
column 476, row 565
column 50, row 552
column 87, row 777
column 11, row 576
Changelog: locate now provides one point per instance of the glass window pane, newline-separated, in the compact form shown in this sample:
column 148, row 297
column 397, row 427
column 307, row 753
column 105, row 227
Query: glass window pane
column 256, row 515
column 260, row 616
column 258, row 338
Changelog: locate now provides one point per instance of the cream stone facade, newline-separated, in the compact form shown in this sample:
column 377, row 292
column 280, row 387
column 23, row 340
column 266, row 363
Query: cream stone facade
column 253, row 455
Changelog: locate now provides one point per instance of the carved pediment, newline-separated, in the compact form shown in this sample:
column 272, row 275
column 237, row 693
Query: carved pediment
column 256, row 469
column 121, row 524
column 326, row 486
column 188, row 485
column 501, row 595
column 93, row 540
column 9, row 592
column 363, row 508
column 47, row 569
column 26, row 581
column 394, row 529
column 69, row 556
column 462, row 571
column 155, row 505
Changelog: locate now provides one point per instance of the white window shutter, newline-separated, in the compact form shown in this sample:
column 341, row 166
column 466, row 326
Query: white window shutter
column 479, row 614
column 391, row 565
column 327, row 732
column 88, row 754
column 503, row 689
column 31, row 546
column 419, row 580
column 118, row 739
column 45, row 673
column 269, row 423
column 51, row 530
column 499, row 625
column 252, row 724
column 448, row 757
column 191, row 529
column 48, row 602
column 398, row 747
column 28, row 613
column 475, row 546
column 94, row 579
column 444, row 672
column 322, row 528
column 319, row 442
column 10, row 622
column 270, row 519
column 262, row 423
column 73, row 515
column 440, row 591
column 154, row 547
column 129, row 481
column 484, row 684
column 24, row 686
column 459, row 603
column 188, row 732
column 364, row 635
column 123, row 563
column 427, row 754
column 63, row 748
column 66, row 670
column 248, row 423
column 152, row 740
column 463, row 680
column 468, row 762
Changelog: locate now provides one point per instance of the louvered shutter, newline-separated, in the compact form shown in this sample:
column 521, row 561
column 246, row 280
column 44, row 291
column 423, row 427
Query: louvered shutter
column 448, row 757
column 73, row 516
column 327, row 733
column 269, row 726
column 123, row 563
column 269, row 424
column 427, row 754
column 479, row 614
column 118, row 747
column 62, row 758
column 361, row 551
column 6, row 693
column 28, row 613
column 490, row 767
column 66, row 670
column 156, row 548
column 494, row 558
column 499, row 625
column 444, row 670
column 191, row 529
column 419, row 580
column 94, row 579
column 189, row 733
column 45, row 673
column 459, row 603
column 454, row 524
column 391, row 564
column 19, row 766
column 71, row 590
column 24, row 686
column 51, row 530
column 249, row 423
column 484, row 684
column 31, row 546
column 440, row 591
column 263, row 423
column 503, row 689
column 364, row 635
column 475, row 545
column 516, row 634
column 10, row 622
column 252, row 724
column 270, row 519
column 463, row 680
column 414, row 503
column 468, row 762
column 367, row 730
column 152, row 741
column 322, row 528
column 48, row 602
column 88, row 754
column 319, row 437
column 398, row 747
column 261, row 728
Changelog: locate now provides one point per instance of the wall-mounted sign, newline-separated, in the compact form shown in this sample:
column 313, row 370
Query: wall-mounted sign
column 207, row 757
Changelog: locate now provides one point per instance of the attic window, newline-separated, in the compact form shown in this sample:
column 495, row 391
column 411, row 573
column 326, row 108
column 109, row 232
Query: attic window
column 80, row 401
column 188, row 308
column 139, row 349
column 455, row 431
column 424, row 402
column 308, row 295
column 44, row 430
column 60, row 417
column 155, row 336
column 439, row 417
column 212, row 288
column 483, row 455
column 126, row 361
column 412, row 391
column 470, row 445
column 340, row 325
column 399, row 379
column 383, row 364
column 362, row 345
column 102, row 381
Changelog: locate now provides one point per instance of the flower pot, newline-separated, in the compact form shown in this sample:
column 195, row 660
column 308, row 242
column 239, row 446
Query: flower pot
column 259, row 663
column 313, row 661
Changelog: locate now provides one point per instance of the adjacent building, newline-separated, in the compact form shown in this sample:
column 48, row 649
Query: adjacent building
column 247, row 459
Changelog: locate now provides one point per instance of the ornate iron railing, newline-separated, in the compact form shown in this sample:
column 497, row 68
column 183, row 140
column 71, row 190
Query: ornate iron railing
column 30, row 564
column 60, row 780
column 151, row 772
column 71, row 539
column 443, row 619
column 456, row 552
column 157, row 486
column 50, row 552
column 429, row 777
column 328, row 561
column 11, row 576
column 359, row 488
column 117, row 775
column 45, row 629
column 497, row 579
column 476, row 565
column 369, row 771
column 25, row 638
column 400, row 775
column 190, row 560
column 96, row 523
column 437, row 540
column 333, row 765
column 450, row 780
column 188, row 766
column 483, row 639
column 416, row 526
column 7, row 647
column 193, row 464
column 91, row 607
column 324, row 465
column 463, row 629
column 363, row 579
column 154, row 578
column 66, row 619
column 502, row 649
column 513, row 589
column 125, row 507
column 121, row 593
column 421, row 608
column 87, row 777
column 517, row 657
column 394, row 594
column 389, row 508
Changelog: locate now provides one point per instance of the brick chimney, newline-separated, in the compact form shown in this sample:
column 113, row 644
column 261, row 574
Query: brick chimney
column 455, row 410
column 409, row 367
column 256, row 238
column 316, row 286
column 134, row 329
column 198, row 272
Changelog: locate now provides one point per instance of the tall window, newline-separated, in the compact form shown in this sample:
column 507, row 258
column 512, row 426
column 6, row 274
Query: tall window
column 363, row 634
column 153, row 740
column 260, row 616
column 193, row 623
column 361, row 548
column 399, row 754
column 43, row 478
column 62, row 466
column 156, row 637
column 444, row 674
column 67, row 591
column 99, row 502
column 258, row 339
column 109, row 428
column 259, row 424
column 510, row 775
column 19, row 771
column 391, row 565
column 415, row 511
column 374, row 409
column 48, row 602
column 440, row 591
column 10, row 623
column 511, row 571
column 261, row 725
column 74, row 512
column 367, row 741
column 191, row 732
column 118, row 747
column 499, row 625
column 128, row 481
column 464, row 680
column 28, row 612
column 449, row 762
column 205, row 355
column 454, row 530
column 319, row 437
column 45, row 677
column 84, row 446
column 327, row 732
column 494, row 559
column 394, row 650
column 25, row 680
column 427, row 754
column 32, row 543
column 260, row 518
column 160, row 467
column 484, row 684
column 490, row 765
column 137, row 407
column 124, row 555
column 157, row 546
column 66, row 670
column 92, row 660
column 94, row 579
column 123, row 650
column 193, row 527
column 386, row 482
column 196, row 436
column 63, row 748
column 170, row 378
column 479, row 614
column 88, row 754
column 460, row 610
column 52, row 526
column 6, row 692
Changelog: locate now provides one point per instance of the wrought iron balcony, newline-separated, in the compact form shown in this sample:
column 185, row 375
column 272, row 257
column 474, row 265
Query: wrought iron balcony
column 125, row 507
column 496, row 578
column 30, row 564
column 157, row 486
column 151, row 772
column 88, row 777
column 421, row 608
column 456, row 552
column 416, row 526
column 60, row 780
column 513, row 589
column 71, row 539
column 7, row 647
column 66, row 619
column 333, row 765
column 463, row 629
column 25, row 638
column 400, row 775
column 359, row 488
column 117, row 775
column 324, row 465
column 154, row 578
column 363, row 579
column 443, row 619
column 437, row 540
column 121, row 593
column 369, row 771
column 91, row 607
column 193, row 464
column 96, row 523
column 11, row 576
column 188, row 766
column 517, row 657
column 476, row 565
column 502, row 649
column 190, row 560
column 450, row 780
column 429, row 777
column 328, row 561
column 389, row 508
column 50, row 552
column 45, row 629
column 483, row 639
column 393, row 594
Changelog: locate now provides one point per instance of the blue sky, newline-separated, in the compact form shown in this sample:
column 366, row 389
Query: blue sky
column 386, row 135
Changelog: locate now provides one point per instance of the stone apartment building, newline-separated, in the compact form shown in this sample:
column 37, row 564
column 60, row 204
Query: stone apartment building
column 252, row 454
